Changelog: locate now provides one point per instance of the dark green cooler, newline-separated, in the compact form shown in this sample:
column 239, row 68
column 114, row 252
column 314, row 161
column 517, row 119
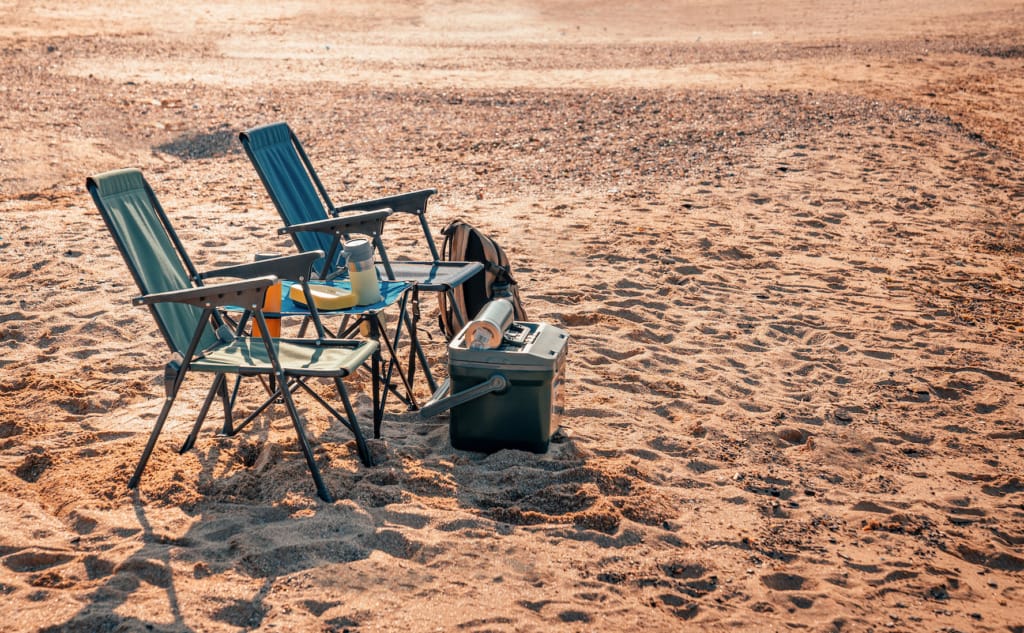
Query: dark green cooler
column 510, row 396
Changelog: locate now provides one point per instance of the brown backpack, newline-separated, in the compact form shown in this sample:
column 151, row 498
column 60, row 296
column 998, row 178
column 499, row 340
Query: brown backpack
column 465, row 243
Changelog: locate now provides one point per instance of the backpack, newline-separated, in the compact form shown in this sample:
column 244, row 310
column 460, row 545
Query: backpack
column 465, row 243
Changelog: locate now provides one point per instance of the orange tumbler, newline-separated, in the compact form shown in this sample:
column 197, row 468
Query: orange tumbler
column 271, row 303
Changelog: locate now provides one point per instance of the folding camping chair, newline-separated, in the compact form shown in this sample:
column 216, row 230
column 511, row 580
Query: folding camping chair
column 187, row 313
column 300, row 197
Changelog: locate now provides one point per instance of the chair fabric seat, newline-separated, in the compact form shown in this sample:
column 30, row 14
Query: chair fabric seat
column 248, row 356
column 435, row 276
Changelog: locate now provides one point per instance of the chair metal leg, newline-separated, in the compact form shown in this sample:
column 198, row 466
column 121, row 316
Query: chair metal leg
column 378, row 334
column 171, row 388
column 234, row 392
column 274, row 398
column 348, row 419
column 378, row 405
column 168, row 402
column 307, row 451
column 410, row 363
column 392, row 347
column 364, row 451
column 393, row 365
column 218, row 386
column 227, row 402
column 415, row 349
column 426, row 366
column 286, row 394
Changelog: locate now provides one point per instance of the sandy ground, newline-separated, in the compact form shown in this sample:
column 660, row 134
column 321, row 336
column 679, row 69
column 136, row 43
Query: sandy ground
column 785, row 238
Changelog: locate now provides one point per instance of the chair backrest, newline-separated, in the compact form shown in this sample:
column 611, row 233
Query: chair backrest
column 289, row 178
column 151, row 249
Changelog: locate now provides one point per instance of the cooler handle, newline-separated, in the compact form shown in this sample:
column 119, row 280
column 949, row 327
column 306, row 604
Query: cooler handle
column 496, row 382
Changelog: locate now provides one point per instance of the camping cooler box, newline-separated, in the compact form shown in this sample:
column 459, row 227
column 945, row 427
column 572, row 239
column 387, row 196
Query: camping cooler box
column 508, row 396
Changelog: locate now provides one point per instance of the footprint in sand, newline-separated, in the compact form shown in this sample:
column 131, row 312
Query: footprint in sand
column 1003, row 486
column 781, row 581
column 579, row 319
column 35, row 560
column 245, row 614
column 156, row 574
column 96, row 567
column 992, row 559
column 33, row 467
column 10, row 428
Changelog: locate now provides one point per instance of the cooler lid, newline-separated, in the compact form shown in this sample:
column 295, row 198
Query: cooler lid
column 524, row 346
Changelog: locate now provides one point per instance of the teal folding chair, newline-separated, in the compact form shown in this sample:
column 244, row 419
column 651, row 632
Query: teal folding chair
column 315, row 224
column 187, row 313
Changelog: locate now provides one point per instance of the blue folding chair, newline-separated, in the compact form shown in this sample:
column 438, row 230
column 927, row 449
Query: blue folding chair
column 301, row 199
column 303, row 204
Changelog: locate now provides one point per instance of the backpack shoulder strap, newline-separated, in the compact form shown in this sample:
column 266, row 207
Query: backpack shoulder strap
column 453, row 249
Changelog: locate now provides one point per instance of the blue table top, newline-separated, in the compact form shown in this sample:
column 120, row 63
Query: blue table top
column 390, row 291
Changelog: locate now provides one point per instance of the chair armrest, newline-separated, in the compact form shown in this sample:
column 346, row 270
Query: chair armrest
column 412, row 202
column 347, row 343
column 363, row 223
column 293, row 267
column 248, row 293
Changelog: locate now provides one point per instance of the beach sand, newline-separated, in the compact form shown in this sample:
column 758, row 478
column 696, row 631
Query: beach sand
column 784, row 237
